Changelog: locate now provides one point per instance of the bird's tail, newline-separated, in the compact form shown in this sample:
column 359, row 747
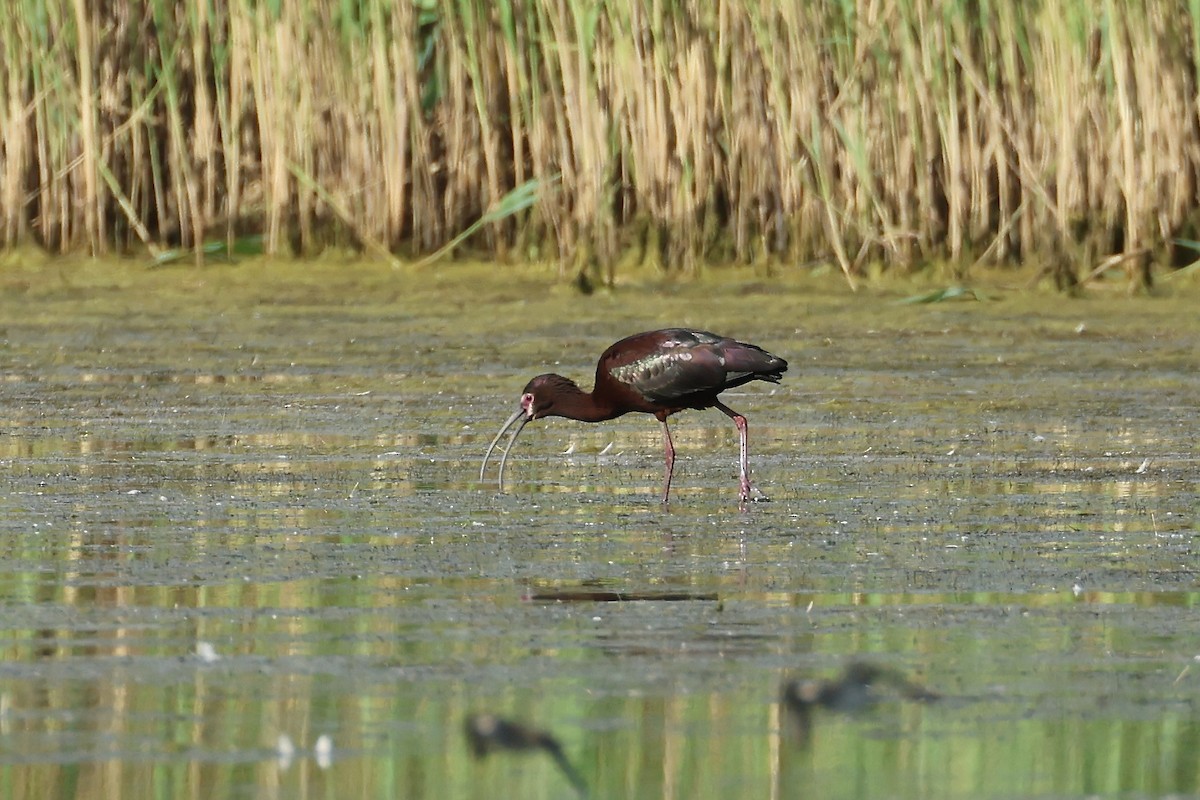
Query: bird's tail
column 751, row 360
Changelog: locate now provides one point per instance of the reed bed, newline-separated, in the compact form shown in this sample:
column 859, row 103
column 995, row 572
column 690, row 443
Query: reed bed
column 683, row 132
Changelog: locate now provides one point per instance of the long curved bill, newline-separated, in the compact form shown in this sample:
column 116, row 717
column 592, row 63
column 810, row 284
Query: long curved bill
column 518, row 414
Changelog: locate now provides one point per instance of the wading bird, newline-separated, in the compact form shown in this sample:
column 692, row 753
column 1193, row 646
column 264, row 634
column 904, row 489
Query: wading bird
column 659, row 373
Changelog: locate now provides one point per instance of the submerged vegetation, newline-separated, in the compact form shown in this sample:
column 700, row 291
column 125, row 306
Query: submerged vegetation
column 880, row 131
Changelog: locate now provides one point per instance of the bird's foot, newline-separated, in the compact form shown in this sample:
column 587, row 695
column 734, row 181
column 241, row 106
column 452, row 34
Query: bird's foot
column 751, row 495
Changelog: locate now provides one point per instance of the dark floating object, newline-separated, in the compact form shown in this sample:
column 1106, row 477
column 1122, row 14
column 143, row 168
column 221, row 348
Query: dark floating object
column 487, row 733
column 609, row 596
column 857, row 688
column 659, row 373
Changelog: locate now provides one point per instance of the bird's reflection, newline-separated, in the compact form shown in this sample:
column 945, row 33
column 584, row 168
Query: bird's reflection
column 487, row 733
column 859, row 687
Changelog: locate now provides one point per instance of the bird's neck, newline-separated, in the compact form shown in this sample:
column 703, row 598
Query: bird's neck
column 574, row 403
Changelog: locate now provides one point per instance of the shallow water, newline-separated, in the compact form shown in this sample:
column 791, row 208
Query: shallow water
column 242, row 503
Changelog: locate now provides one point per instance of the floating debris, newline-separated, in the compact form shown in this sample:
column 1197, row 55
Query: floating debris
column 944, row 294
column 206, row 652
column 583, row 595
column 323, row 751
column 285, row 751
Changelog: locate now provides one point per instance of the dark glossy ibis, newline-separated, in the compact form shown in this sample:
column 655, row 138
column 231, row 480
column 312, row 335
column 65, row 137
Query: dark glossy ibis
column 659, row 373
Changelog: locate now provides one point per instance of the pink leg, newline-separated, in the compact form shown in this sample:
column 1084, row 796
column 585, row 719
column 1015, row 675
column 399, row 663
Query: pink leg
column 669, row 452
column 744, row 449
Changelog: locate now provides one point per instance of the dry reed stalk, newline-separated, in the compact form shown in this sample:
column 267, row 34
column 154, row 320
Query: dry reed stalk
column 305, row 141
column 232, row 74
column 14, row 121
column 456, row 126
column 590, row 135
column 515, row 100
column 898, row 131
column 1127, row 173
column 51, row 194
column 85, row 76
column 392, row 37
column 203, row 127
column 183, row 198
column 761, row 168
column 556, row 51
column 270, row 62
column 639, row 103
column 953, row 134
column 482, row 46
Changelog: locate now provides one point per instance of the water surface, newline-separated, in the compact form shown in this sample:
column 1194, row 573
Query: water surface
column 241, row 504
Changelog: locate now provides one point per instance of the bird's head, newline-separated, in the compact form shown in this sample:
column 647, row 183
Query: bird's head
column 541, row 395
column 539, row 399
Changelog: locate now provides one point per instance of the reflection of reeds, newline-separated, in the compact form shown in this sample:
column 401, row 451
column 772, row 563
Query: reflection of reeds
column 893, row 131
